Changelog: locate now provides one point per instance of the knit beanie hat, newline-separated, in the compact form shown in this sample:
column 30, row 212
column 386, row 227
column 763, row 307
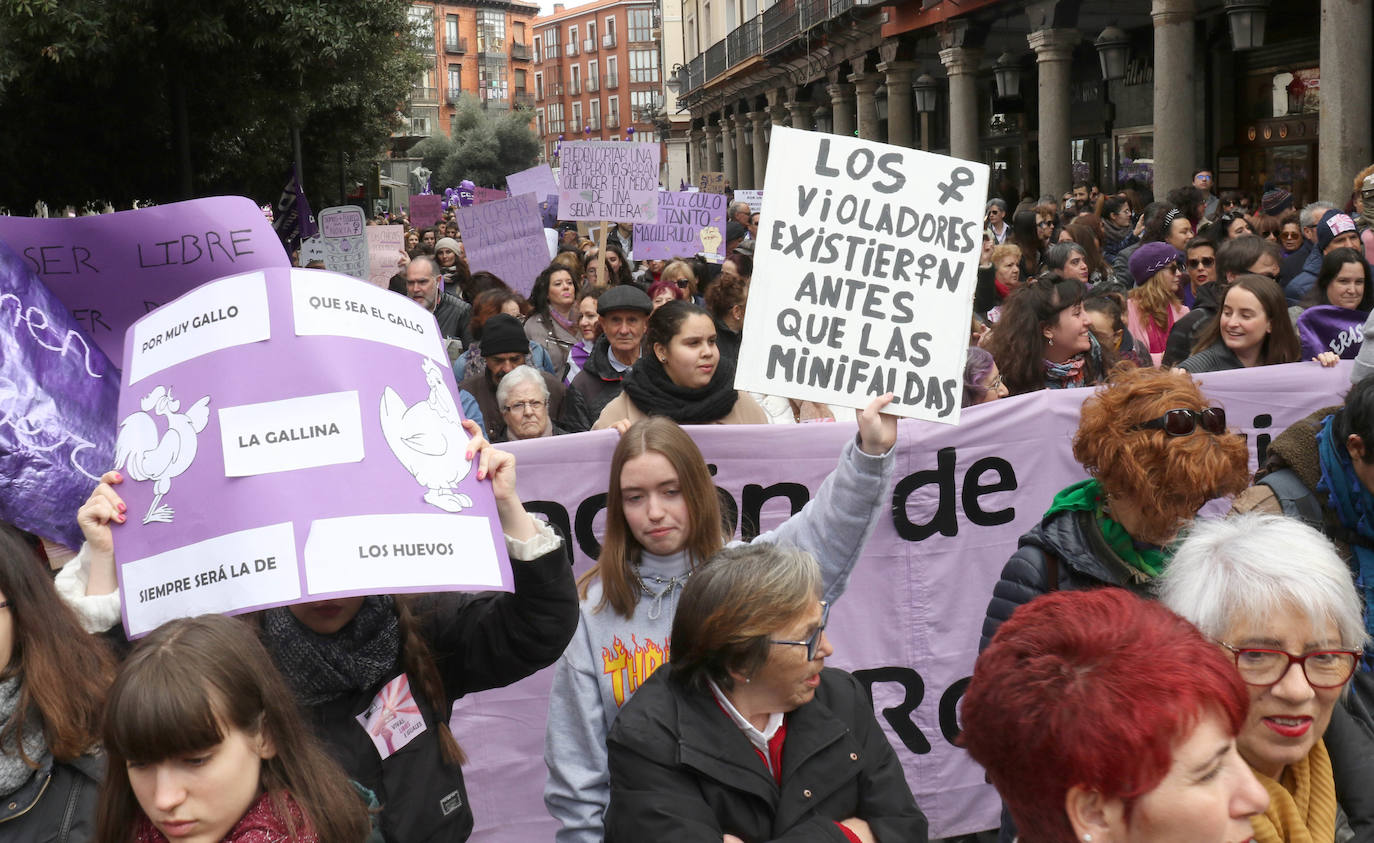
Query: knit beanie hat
column 1333, row 224
column 503, row 334
column 447, row 243
column 1276, row 201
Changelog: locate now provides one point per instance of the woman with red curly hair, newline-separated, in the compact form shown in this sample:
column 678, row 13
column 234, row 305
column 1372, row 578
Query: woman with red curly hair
column 1104, row 717
column 1155, row 451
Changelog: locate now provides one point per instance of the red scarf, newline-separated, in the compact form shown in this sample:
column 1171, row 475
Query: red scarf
column 260, row 824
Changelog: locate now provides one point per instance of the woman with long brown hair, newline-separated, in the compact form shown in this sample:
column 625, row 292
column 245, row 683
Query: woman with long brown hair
column 663, row 522
column 52, row 693
column 1044, row 339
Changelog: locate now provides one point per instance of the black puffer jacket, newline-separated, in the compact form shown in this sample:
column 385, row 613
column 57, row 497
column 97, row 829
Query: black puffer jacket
column 57, row 805
column 598, row 382
column 1083, row 559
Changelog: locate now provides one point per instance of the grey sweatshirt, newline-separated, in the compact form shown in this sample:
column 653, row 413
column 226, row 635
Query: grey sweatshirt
column 611, row 656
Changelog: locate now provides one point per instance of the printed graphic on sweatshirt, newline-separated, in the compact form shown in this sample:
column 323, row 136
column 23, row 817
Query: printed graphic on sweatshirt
column 630, row 667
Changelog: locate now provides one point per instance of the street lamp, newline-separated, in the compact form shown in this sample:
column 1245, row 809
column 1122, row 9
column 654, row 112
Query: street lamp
column 1247, row 22
column 1113, row 51
column 674, row 82
column 925, row 87
column 1007, row 75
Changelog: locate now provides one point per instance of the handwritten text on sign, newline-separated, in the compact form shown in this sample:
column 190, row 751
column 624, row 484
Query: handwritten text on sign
column 688, row 223
column 873, row 254
column 506, row 238
column 609, row 180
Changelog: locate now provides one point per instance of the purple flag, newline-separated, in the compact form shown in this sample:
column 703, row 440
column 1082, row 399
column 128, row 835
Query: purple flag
column 294, row 221
column 57, row 407
column 1327, row 327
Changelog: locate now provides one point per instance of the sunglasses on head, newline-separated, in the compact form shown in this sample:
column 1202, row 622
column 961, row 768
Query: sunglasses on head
column 1183, row 422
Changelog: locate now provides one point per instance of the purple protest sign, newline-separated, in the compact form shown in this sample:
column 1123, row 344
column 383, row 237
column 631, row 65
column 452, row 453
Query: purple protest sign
column 293, row 435
column 688, row 223
column 483, row 195
column 1327, row 327
column 538, row 180
column 608, row 180
column 57, row 407
column 111, row 269
column 426, row 209
column 506, row 238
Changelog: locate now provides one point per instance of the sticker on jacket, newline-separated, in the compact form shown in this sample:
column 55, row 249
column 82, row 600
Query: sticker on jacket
column 451, row 803
column 393, row 719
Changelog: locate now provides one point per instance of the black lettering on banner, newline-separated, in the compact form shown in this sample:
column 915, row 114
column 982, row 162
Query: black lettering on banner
column 1262, row 422
column 899, row 717
column 755, row 496
column 729, row 510
column 974, row 489
column 557, row 517
column 949, row 710
column 586, row 513
column 945, row 521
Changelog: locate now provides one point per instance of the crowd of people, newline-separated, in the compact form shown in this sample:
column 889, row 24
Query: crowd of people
column 1144, row 674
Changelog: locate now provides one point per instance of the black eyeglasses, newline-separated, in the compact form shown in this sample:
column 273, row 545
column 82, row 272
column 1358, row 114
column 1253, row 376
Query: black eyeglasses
column 814, row 642
column 1323, row 668
column 1198, row 263
column 1183, row 422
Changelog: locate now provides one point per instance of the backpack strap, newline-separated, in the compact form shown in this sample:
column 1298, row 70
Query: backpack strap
column 1297, row 500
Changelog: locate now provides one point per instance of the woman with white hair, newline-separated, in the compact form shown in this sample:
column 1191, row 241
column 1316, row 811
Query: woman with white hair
column 523, row 398
column 1272, row 592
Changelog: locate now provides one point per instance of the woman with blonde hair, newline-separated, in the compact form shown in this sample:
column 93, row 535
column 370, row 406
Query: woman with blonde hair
column 1154, row 305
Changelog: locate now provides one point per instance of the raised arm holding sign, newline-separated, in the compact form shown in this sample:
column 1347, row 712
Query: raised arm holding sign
column 873, row 254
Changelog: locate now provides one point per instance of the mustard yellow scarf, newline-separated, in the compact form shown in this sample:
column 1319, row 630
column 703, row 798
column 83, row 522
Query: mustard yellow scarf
column 1302, row 804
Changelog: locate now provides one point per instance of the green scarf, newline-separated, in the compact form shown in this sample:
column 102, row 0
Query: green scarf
column 1087, row 496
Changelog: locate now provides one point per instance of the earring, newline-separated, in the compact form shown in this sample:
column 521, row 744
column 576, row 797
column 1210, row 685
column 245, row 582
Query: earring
column 1050, row 340
column 1087, row 838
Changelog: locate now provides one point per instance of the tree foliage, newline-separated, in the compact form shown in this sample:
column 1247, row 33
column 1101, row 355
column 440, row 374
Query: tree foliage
column 155, row 98
column 487, row 145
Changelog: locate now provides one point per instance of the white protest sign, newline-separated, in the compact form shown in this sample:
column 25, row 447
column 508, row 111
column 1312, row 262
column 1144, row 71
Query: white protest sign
column 312, row 249
column 345, row 243
column 872, row 255
column 608, row 180
column 752, row 198
column 386, row 245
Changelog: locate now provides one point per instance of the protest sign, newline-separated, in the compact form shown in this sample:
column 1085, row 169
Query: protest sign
column 1328, row 327
column 57, row 406
column 111, row 269
column 872, row 255
column 688, row 223
column 752, row 198
column 608, row 180
column 312, row 251
column 386, row 244
column 909, row 622
column 548, row 211
column 482, row 195
column 426, row 209
column 345, row 244
column 711, row 182
column 538, row 180
column 505, row 238
column 292, row 435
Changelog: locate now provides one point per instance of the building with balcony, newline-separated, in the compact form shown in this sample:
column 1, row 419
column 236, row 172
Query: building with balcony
column 598, row 73
column 481, row 48
column 1046, row 92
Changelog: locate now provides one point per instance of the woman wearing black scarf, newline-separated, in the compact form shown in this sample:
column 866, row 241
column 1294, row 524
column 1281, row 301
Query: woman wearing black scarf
column 680, row 374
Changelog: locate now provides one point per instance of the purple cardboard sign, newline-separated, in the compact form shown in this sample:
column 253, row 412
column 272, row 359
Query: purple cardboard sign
column 506, row 238
column 538, row 180
column 483, row 195
column 608, row 180
column 111, row 269
column 688, row 224
column 57, row 407
column 1327, row 327
column 426, row 209
column 254, row 482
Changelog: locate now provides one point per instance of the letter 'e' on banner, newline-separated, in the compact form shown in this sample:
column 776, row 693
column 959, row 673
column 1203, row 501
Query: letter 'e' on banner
column 871, row 256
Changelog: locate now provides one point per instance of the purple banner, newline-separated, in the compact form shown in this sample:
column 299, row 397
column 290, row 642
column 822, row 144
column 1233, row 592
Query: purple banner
column 253, row 484
column 111, row 269
column 1327, row 327
column 608, row 180
column 506, row 238
column 538, row 180
column 426, row 209
column 688, row 224
column 57, row 407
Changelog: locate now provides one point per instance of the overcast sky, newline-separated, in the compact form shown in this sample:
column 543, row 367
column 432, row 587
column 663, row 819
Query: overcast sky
column 546, row 6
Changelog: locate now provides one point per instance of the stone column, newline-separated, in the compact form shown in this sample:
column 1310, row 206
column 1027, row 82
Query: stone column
column 1175, row 108
column 710, row 160
column 841, row 108
column 1053, row 57
column 760, row 119
column 961, row 65
column 1343, row 128
column 697, row 158
column 727, row 147
column 866, row 94
column 800, row 113
column 897, row 76
column 744, row 162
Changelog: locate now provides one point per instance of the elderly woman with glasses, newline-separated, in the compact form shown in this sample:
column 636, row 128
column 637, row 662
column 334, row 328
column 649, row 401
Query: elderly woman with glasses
column 745, row 734
column 1275, row 597
column 523, row 397
column 1156, row 451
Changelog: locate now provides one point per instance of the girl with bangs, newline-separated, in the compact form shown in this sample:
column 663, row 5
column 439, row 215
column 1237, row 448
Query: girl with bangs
column 663, row 522
column 205, row 744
